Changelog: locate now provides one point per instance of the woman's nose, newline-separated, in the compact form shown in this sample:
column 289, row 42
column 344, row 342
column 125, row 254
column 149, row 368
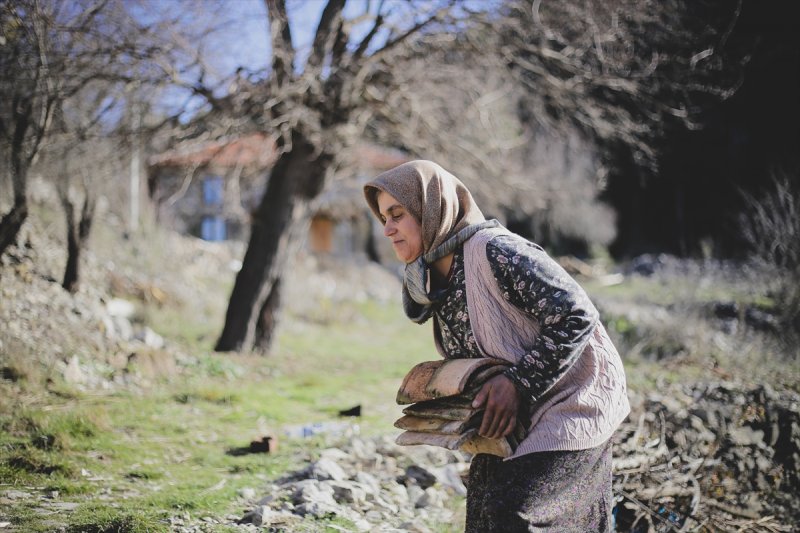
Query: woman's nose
column 389, row 228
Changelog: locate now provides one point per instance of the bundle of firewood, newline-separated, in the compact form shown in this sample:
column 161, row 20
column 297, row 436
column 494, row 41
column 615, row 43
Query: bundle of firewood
column 440, row 394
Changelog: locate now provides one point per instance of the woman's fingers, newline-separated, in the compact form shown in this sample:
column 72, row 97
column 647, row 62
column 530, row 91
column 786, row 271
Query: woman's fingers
column 501, row 400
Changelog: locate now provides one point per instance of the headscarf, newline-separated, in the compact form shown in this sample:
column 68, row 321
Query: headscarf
column 446, row 213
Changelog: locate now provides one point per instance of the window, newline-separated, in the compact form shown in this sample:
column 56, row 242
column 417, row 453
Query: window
column 212, row 190
column 212, row 228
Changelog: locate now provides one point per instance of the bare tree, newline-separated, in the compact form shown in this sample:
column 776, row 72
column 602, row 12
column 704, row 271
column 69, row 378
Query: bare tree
column 318, row 108
column 621, row 71
column 79, row 224
column 464, row 112
column 27, row 98
column 45, row 58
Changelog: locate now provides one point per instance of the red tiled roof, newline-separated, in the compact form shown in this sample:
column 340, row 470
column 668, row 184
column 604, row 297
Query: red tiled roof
column 255, row 150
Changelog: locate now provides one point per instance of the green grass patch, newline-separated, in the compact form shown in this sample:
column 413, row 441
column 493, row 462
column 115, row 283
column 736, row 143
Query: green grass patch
column 100, row 518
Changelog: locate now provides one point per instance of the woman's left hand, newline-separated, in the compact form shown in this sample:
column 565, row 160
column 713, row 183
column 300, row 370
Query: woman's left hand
column 500, row 398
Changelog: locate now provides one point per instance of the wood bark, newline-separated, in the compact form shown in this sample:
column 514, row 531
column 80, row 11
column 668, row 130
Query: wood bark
column 77, row 235
column 268, row 318
column 298, row 176
column 11, row 224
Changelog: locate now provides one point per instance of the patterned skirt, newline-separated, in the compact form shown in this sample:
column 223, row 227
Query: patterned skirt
column 559, row 491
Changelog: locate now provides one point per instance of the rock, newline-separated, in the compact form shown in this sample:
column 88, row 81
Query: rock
column 420, row 476
column 325, row 469
column 117, row 307
column 415, row 527
column 310, row 491
column 348, row 492
column 17, row 494
column 362, row 525
column 431, row 498
column 61, row 506
column 726, row 310
column 248, row 493
column 73, row 373
column 256, row 516
column 450, row 476
column 149, row 338
column 415, row 494
column 368, row 481
column 397, row 494
column 334, row 454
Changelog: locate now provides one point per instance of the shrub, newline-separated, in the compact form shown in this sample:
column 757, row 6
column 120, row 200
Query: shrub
column 770, row 226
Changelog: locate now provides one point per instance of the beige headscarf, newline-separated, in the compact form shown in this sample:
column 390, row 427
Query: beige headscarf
column 447, row 215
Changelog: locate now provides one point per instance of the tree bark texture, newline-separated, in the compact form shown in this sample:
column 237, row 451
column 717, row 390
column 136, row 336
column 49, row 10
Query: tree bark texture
column 297, row 177
column 12, row 221
column 268, row 318
column 77, row 234
column 11, row 224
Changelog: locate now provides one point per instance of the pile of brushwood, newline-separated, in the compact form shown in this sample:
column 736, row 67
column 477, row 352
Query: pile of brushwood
column 710, row 457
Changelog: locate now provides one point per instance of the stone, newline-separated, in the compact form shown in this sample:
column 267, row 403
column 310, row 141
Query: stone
column 334, row 454
column 248, row 493
column 347, row 492
column 149, row 338
column 450, row 476
column 16, row 494
column 256, row 516
column 415, row 494
column 430, row 498
column 397, row 493
column 420, row 476
column 368, row 481
column 325, row 469
column 362, row 525
column 73, row 372
column 308, row 490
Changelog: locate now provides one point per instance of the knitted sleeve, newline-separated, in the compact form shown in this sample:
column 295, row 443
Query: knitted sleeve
column 532, row 281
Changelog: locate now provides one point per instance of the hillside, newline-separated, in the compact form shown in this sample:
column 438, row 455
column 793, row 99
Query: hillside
column 117, row 416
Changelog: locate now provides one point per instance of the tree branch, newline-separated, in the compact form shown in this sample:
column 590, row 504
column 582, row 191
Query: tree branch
column 281, row 40
column 329, row 25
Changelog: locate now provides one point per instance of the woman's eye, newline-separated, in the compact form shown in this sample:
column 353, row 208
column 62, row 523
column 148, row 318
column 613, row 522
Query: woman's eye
column 397, row 217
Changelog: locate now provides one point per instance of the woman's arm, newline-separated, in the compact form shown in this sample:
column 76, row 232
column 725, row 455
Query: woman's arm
column 532, row 281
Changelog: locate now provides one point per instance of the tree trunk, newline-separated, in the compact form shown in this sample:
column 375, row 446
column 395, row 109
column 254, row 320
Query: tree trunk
column 268, row 318
column 297, row 177
column 11, row 224
column 12, row 221
column 77, row 234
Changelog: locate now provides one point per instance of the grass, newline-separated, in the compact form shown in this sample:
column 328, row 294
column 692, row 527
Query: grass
column 165, row 452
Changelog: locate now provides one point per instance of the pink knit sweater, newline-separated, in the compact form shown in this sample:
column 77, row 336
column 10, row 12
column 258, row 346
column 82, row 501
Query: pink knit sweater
column 587, row 404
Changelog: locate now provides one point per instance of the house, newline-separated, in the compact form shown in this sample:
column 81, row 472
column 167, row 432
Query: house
column 208, row 189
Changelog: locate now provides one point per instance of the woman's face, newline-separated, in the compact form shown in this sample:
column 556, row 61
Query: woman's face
column 401, row 227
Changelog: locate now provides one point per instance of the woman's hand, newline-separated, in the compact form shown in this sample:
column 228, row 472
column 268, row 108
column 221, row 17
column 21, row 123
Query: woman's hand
column 500, row 398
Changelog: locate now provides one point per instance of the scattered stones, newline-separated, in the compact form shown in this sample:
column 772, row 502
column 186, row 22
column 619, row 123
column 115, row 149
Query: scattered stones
column 361, row 482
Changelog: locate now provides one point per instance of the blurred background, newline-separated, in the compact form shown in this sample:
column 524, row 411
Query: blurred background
column 183, row 225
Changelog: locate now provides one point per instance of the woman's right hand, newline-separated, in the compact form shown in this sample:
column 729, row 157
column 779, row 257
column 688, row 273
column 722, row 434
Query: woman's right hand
column 500, row 399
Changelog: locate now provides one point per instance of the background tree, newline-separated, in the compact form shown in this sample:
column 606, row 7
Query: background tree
column 68, row 71
column 318, row 107
column 464, row 111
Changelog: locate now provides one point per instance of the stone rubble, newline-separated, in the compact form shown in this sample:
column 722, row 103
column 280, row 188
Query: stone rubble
column 707, row 455
column 373, row 483
column 710, row 454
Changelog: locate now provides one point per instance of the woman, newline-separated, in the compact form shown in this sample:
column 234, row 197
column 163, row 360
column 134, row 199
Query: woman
column 491, row 293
